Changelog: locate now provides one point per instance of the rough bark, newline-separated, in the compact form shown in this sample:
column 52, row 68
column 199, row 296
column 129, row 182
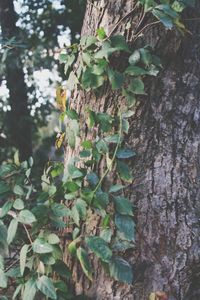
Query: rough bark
column 165, row 132
column 18, row 119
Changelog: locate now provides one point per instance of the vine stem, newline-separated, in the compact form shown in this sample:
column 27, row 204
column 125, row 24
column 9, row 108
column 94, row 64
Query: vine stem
column 122, row 19
column 28, row 234
column 113, row 158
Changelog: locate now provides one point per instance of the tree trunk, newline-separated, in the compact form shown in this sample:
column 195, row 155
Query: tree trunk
column 165, row 132
column 18, row 119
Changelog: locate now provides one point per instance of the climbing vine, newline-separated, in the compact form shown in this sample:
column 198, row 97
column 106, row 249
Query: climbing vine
column 35, row 223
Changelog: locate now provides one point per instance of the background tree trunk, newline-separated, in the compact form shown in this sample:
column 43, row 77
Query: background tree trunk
column 165, row 132
column 18, row 119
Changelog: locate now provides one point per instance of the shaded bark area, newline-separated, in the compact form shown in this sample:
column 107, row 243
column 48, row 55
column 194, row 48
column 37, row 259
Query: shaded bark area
column 165, row 132
column 18, row 119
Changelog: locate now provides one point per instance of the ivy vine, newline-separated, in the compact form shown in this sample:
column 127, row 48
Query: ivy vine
column 34, row 223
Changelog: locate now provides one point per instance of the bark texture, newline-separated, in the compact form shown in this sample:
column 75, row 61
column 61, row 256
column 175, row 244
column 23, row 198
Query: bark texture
column 165, row 131
column 18, row 119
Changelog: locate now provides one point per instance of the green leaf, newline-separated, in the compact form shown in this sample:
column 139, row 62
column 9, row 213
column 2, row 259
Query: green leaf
column 106, row 235
column 52, row 239
column 116, row 188
column 3, row 279
column 17, row 291
column 114, row 138
column 101, row 34
column 135, row 71
column 6, row 208
column 116, row 79
column 101, row 200
column 6, row 169
column 72, row 114
column 102, row 147
column 63, row 57
column 23, row 255
column 121, row 270
column 4, row 188
column 123, row 205
column 18, row 204
column 45, row 285
column 167, row 10
column 87, row 41
column 165, row 19
column 62, row 269
column 99, row 247
column 40, row 246
column 30, row 290
column 71, row 186
column 84, row 261
column 12, row 229
column 146, row 56
column 134, row 58
column 136, row 86
column 125, row 153
column 118, row 42
column 18, row 190
column 87, row 144
column 90, row 80
column 124, row 171
column 92, row 179
column 60, row 210
column 72, row 81
column 126, row 226
column 26, row 217
column 105, row 121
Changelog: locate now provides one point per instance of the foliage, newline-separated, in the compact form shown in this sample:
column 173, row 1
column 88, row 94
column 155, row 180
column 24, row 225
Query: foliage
column 35, row 222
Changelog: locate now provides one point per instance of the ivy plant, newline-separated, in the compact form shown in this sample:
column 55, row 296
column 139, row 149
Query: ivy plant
column 37, row 223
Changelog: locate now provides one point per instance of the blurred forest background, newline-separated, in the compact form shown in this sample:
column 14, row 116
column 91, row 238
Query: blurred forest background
column 32, row 34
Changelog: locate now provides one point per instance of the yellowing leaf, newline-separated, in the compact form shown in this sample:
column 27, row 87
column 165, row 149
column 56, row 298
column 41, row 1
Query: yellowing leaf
column 152, row 296
column 61, row 98
column 59, row 139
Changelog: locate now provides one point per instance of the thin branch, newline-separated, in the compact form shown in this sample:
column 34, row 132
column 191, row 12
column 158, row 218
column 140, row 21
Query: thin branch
column 145, row 27
column 121, row 20
column 28, row 234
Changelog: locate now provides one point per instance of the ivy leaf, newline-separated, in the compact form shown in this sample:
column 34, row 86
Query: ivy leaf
column 4, row 188
column 101, row 34
column 123, row 205
column 116, row 188
column 165, row 19
column 126, row 226
column 106, row 235
column 45, row 285
column 62, row 269
column 23, row 255
column 26, row 217
column 134, row 58
column 146, row 56
column 124, row 171
column 87, row 41
column 53, row 239
column 119, row 43
column 12, row 229
column 90, row 80
column 6, row 208
column 136, row 86
column 92, row 179
column 18, row 204
column 121, row 270
column 84, row 261
column 135, row 71
column 30, row 290
column 114, row 138
column 102, row 147
column 99, row 247
column 18, row 190
column 3, row 280
column 116, row 79
column 105, row 121
column 125, row 153
column 40, row 246
column 101, row 200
